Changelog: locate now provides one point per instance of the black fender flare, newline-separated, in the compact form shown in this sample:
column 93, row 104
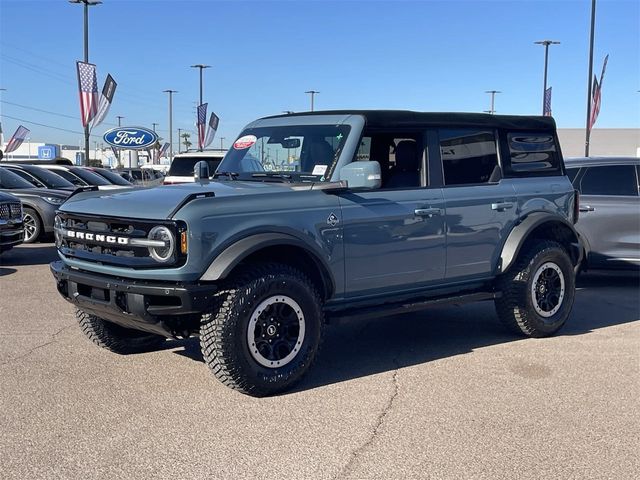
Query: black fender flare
column 521, row 232
column 233, row 254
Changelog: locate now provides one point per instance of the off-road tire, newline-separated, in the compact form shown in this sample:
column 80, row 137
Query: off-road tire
column 516, row 307
column 115, row 338
column 33, row 219
column 225, row 326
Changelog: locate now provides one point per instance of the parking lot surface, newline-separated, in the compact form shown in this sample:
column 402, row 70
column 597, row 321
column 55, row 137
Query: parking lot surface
column 445, row 393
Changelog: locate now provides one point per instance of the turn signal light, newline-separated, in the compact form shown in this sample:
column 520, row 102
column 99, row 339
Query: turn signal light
column 183, row 243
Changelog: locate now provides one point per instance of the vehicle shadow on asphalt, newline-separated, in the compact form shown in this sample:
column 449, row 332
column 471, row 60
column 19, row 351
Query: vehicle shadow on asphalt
column 361, row 348
column 32, row 254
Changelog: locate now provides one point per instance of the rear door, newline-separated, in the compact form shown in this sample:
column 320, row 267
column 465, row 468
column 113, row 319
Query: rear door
column 610, row 214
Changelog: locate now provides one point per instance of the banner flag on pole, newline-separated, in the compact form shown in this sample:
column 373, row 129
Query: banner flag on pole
column 88, row 87
column 211, row 131
column 596, row 95
column 201, row 124
column 106, row 98
column 547, row 102
column 16, row 140
column 163, row 150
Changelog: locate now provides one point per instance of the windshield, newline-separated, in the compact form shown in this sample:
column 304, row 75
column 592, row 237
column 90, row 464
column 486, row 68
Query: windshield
column 11, row 180
column 51, row 180
column 305, row 152
column 183, row 166
column 89, row 177
column 112, row 177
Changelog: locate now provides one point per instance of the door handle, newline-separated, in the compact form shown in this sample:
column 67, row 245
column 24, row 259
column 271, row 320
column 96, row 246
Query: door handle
column 501, row 206
column 587, row 208
column 427, row 212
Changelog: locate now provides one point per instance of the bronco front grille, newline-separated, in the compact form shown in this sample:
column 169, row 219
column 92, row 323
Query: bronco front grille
column 98, row 239
column 10, row 211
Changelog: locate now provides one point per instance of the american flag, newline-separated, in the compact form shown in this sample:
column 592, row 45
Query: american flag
column 547, row 102
column 163, row 150
column 17, row 139
column 201, row 124
column 596, row 95
column 211, row 132
column 88, row 85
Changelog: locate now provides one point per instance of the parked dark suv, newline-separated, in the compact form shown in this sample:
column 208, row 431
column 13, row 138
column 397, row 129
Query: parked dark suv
column 11, row 226
column 325, row 215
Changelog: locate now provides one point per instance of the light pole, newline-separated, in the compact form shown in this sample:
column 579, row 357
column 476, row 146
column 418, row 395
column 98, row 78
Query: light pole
column 87, row 4
column 170, row 92
column 313, row 94
column 221, row 143
column 29, row 142
column 546, row 44
column 493, row 100
column 179, row 138
column 200, row 67
column 589, row 81
column 119, row 117
column 1, row 137
column 154, row 125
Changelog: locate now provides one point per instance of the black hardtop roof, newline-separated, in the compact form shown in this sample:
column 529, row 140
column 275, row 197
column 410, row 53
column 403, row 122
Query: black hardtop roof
column 406, row 118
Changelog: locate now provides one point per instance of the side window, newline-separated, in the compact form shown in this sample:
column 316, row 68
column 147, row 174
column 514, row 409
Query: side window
column 469, row 156
column 533, row 153
column 619, row 180
column 399, row 155
column 69, row 176
column 572, row 173
column 28, row 178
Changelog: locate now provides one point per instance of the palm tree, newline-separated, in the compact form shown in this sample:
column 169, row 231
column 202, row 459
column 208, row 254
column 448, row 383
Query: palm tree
column 185, row 140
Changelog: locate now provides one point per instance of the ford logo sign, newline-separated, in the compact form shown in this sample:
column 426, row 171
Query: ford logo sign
column 130, row 138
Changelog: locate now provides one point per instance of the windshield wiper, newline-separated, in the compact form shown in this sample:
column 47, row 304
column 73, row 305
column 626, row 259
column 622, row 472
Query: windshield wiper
column 229, row 175
column 280, row 176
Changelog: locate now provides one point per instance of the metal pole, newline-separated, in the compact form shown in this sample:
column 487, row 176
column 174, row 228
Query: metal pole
column 546, row 64
column 86, row 59
column 588, row 130
column 170, row 92
column 312, row 93
column 221, row 144
column 154, row 125
column 492, row 109
column 179, row 138
column 119, row 117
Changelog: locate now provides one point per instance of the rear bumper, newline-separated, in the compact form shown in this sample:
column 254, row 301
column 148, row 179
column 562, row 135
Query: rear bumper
column 11, row 234
column 155, row 307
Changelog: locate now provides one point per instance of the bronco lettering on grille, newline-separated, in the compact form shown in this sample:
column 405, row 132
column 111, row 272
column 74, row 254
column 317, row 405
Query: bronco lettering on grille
column 96, row 237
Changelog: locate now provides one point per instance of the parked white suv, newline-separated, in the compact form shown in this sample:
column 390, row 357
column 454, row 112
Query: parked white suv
column 181, row 170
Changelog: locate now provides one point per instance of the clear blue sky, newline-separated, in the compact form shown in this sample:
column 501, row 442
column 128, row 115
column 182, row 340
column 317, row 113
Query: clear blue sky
column 421, row 55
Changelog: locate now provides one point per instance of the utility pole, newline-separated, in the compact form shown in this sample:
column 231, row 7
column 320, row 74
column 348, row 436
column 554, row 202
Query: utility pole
column 546, row 44
column 200, row 67
column 593, row 28
column 170, row 92
column 493, row 100
column 179, row 138
column 313, row 94
column 222, row 144
column 87, row 4
column 154, row 125
column 119, row 117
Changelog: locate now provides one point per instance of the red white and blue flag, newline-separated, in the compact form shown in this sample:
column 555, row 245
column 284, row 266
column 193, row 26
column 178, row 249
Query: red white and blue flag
column 596, row 95
column 16, row 140
column 201, row 123
column 547, row 102
column 163, row 150
column 106, row 98
column 88, row 86
column 214, row 121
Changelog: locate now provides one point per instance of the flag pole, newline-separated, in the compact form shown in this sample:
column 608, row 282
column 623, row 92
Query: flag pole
column 588, row 129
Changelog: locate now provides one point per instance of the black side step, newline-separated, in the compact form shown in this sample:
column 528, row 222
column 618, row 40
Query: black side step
column 397, row 308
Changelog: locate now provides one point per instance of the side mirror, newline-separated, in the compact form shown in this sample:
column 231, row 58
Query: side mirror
column 362, row 174
column 201, row 171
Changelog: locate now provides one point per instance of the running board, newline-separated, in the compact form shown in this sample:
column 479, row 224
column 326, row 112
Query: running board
column 399, row 308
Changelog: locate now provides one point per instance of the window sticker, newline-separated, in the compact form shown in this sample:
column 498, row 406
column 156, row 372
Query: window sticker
column 319, row 170
column 245, row 142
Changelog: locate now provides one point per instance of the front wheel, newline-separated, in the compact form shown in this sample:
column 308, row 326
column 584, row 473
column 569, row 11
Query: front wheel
column 32, row 225
column 263, row 329
column 538, row 291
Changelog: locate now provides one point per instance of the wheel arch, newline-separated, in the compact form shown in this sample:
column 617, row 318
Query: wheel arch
column 273, row 247
column 541, row 226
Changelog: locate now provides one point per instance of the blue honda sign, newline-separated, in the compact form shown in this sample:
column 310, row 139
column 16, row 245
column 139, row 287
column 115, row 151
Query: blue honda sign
column 130, row 138
column 47, row 152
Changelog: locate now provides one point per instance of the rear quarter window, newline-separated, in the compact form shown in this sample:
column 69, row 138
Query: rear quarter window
column 532, row 154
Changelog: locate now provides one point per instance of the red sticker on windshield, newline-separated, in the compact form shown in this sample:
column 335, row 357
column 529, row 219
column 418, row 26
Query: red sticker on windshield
column 245, row 142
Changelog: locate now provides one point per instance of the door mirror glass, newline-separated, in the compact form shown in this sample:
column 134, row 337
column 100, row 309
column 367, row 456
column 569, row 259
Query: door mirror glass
column 362, row 174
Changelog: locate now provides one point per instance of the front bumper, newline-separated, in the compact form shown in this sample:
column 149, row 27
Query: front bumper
column 11, row 234
column 164, row 308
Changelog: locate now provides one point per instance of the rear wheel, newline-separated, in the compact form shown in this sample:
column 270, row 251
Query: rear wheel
column 115, row 338
column 538, row 291
column 32, row 225
column 263, row 331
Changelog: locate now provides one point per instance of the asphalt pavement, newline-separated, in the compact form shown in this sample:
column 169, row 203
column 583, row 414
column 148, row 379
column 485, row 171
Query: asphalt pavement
column 442, row 394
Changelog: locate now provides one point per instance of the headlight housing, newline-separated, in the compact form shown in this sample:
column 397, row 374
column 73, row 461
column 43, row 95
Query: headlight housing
column 54, row 200
column 166, row 244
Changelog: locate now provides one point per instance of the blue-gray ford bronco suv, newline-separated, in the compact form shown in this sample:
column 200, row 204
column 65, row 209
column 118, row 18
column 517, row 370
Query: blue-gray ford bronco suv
column 329, row 215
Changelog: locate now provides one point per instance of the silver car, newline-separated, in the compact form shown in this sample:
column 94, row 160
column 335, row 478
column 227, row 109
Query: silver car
column 609, row 209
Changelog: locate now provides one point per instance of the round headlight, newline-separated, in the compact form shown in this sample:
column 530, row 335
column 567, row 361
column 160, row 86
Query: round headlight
column 57, row 230
column 164, row 253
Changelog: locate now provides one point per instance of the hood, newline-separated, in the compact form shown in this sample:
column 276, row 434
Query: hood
column 39, row 192
column 161, row 202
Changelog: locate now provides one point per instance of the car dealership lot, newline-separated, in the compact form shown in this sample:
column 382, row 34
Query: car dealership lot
column 445, row 393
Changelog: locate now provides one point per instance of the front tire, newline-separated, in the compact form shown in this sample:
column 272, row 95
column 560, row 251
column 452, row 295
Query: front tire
column 115, row 338
column 538, row 291
column 32, row 225
column 263, row 330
